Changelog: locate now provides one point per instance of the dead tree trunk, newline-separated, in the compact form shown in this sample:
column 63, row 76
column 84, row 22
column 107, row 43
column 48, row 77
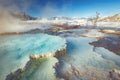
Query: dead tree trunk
column 95, row 20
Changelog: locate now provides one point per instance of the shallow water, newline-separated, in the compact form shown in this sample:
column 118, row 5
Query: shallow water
column 82, row 52
column 82, row 58
column 81, row 62
column 15, row 50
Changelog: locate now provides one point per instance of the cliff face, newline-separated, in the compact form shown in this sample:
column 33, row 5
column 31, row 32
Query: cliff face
column 114, row 18
column 42, row 63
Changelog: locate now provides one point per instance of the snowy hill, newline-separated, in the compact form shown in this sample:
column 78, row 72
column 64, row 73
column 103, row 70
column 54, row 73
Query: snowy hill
column 114, row 18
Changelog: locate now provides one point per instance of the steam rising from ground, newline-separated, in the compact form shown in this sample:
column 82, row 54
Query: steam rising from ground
column 49, row 10
column 8, row 23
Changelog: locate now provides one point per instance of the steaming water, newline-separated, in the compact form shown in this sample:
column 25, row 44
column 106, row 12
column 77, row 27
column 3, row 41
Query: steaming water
column 81, row 56
column 89, row 61
column 15, row 50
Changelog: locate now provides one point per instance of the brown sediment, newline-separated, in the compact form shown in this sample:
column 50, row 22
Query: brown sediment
column 65, row 26
column 114, row 74
column 108, row 43
column 97, row 37
column 11, row 33
column 113, row 32
column 54, row 28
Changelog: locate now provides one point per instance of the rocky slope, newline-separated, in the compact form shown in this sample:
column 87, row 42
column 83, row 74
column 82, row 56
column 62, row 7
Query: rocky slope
column 114, row 18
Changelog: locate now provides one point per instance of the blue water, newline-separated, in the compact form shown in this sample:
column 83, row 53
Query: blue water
column 15, row 49
column 82, row 54
column 81, row 57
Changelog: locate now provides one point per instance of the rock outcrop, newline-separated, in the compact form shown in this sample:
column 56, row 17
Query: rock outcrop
column 108, row 43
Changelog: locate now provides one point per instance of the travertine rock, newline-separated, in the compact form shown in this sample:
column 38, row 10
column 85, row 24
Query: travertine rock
column 114, row 74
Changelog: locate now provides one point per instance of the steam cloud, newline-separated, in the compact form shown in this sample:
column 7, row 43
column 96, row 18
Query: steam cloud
column 49, row 10
column 8, row 23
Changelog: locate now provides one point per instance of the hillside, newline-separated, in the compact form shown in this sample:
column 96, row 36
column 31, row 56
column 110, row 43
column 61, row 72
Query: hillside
column 23, row 16
column 114, row 18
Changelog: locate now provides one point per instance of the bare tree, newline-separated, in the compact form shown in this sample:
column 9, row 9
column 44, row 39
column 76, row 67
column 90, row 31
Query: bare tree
column 96, row 19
